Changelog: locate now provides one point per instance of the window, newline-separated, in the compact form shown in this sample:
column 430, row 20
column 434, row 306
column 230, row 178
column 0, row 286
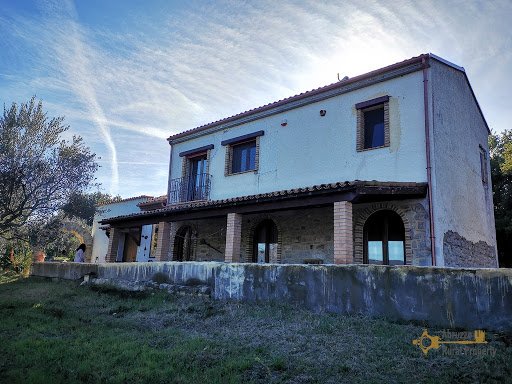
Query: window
column 384, row 239
column 483, row 165
column 194, row 183
column 196, row 188
column 243, row 157
column 242, row 153
column 373, row 127
column 373, row 123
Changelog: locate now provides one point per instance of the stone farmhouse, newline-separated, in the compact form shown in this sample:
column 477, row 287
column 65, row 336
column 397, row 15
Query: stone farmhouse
column 389, row 167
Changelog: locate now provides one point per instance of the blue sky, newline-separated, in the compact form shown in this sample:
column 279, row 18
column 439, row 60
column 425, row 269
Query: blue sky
column 127, row 74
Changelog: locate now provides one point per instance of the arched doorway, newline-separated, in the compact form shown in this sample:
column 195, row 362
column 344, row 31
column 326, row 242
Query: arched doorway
column 265, row 242
column 183, row 244
column 384, row 239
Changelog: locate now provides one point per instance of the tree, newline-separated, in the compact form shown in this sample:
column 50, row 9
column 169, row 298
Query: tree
column 52, row 238
column 84, row 205
column 501, row 171
column 39, row 170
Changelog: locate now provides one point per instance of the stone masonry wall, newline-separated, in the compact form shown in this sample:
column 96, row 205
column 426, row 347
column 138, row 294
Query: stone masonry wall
column 208, row 236
column 307, row 234
column 460, row 252
column 302, row 234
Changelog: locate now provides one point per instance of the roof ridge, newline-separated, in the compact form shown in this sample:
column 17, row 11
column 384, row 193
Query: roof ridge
column 304, row 94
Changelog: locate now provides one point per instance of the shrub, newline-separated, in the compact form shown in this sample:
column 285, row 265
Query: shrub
column 17, row 256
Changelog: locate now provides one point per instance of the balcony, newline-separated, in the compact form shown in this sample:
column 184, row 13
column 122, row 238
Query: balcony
column 188, row 188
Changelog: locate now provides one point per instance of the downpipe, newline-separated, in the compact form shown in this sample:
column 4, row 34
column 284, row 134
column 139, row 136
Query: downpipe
column 429, row 165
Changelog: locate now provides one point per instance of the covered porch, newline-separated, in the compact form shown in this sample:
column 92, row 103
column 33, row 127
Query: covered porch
column 340, row 223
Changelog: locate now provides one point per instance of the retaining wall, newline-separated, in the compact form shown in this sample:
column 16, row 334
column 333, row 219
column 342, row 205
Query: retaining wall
column 444, row 297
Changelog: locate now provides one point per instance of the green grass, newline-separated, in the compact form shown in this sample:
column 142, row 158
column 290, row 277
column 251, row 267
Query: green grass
column 59, row 332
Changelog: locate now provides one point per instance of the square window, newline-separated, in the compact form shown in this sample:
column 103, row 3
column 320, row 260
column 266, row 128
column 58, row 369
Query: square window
column 242, row 153
column 373, row 124
column 243, row 157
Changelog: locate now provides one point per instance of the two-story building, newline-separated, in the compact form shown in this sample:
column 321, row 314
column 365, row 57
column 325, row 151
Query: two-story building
column 389, row 167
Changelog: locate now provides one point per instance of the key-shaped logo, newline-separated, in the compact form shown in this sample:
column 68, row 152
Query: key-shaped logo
column 427, row 342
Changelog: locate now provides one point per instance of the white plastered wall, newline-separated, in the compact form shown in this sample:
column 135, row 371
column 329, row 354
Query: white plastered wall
column 462, row 202
column 312, row 149
column 100, row 239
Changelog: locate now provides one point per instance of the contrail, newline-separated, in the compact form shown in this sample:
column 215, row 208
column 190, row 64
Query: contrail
column 73, row 55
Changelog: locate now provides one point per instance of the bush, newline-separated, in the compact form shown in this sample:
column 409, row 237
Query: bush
column 17, row 257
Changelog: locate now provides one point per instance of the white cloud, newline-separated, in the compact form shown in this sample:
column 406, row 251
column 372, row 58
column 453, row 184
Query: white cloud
column 208, row 61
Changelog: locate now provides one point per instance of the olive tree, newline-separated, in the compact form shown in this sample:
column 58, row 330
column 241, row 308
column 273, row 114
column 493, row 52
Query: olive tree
column 83, row 206
column 39, row 169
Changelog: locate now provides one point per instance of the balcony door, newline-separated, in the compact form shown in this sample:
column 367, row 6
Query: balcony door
column 198, row 166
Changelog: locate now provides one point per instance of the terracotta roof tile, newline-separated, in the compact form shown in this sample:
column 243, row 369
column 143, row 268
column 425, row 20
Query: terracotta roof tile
column 338, row 186
column 127, row 199
column 153, row 200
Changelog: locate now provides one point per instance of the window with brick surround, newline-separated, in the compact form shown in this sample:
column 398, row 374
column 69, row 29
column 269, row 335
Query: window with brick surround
column 243, row 157
column 384, row 239
column 373, row 123
column 242, row 153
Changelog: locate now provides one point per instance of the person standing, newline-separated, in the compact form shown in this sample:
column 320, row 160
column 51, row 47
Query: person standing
column 80, row 254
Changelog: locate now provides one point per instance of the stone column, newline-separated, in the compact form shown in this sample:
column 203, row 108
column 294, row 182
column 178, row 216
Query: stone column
column 162, row 244
column 343, row 233
column 113, row 245
column 233, row 238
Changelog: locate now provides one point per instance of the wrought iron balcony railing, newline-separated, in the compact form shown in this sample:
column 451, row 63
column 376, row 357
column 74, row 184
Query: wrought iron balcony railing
column 190, row 188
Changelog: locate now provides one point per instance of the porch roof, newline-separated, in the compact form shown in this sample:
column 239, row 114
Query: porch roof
column 317, row 195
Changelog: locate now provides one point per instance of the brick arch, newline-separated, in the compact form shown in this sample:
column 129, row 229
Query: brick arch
column 365, row 213
column 83, row 234
column 248, row 233
column 194, row 237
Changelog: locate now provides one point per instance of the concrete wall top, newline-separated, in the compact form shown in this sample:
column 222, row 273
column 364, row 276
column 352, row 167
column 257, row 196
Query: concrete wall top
column 65, row 271
column 445, row 297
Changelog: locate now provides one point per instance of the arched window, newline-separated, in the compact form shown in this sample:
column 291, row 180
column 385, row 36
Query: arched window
column 183, row 244
column 384, row 239
column 265, row 242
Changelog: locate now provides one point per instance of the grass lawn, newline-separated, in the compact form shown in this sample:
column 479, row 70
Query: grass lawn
column 59, row 332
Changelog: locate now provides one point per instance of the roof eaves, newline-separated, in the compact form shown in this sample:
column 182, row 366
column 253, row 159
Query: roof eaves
column 125, row 200
column 449, row 63
column 153, row 200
